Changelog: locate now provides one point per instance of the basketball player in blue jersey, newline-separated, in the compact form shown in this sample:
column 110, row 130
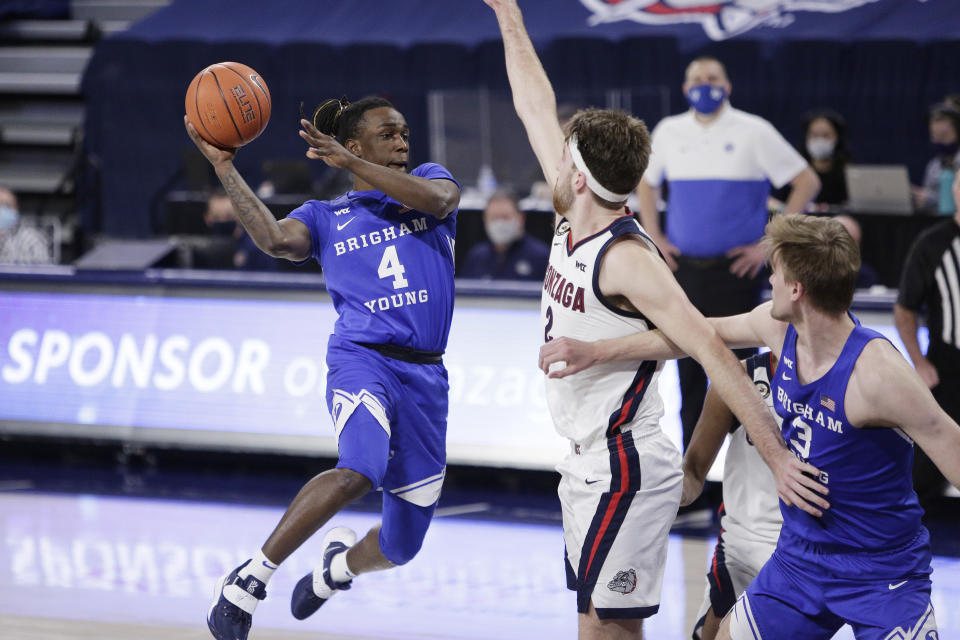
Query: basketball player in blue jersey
column 620, row 485
column 386, row 248
column 853, row 407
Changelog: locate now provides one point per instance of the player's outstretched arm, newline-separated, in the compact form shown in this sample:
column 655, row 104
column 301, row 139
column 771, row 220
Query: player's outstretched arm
column 437, row 198
column 576, row 355
column 533, row 96
column 712, row 427
column 284, row 239
column 658, row 296
column 885, row 391
column 752, row 329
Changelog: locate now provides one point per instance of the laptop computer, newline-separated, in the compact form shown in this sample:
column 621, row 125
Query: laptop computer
column 879, row 188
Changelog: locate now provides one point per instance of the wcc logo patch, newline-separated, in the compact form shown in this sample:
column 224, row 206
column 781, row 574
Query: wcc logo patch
column 720, row 19
column 624, row 582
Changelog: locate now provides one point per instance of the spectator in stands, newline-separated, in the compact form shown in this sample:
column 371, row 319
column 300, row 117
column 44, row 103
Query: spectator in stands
column 867, row 277
column 229, row 246
column 509, row 253
column 927, row 283
column 935, row 196
column 825, row 148
column 19, row 242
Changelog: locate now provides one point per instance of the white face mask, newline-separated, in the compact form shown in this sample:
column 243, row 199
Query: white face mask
column 503, row 232
column 820, row 148
column 8, row 217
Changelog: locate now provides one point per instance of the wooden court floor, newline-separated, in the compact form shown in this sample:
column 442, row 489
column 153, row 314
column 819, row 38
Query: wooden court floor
column 82, row 567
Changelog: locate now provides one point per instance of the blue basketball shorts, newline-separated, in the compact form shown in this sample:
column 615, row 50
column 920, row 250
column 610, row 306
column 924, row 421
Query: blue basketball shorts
column 390, row 419
column 804, row 593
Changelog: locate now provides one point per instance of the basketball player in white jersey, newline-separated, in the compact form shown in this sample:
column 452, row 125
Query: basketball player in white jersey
column 750, row 513
column 621, row 483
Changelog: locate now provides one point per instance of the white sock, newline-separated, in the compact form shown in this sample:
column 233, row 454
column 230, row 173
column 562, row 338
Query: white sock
column 260, row 567
column 339, row 571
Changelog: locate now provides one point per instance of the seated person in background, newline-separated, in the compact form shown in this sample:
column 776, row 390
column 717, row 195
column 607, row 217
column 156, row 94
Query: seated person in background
column 867, row 277
column 20, row 243
column 509, row 253
column 935, row 195
column 825, row 148
column 229, row 247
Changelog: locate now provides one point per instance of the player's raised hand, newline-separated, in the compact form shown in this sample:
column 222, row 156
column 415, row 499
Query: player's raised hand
column 575, row 355
column 215, row 155
column 499, row 4
column 324, row 147
column 796, row 484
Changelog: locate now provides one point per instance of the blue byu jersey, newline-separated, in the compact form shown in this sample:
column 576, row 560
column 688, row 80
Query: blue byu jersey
column 388, row 270
column 868, row 470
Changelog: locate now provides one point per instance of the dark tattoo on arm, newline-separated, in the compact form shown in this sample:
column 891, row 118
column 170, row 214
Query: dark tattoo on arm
column 247, row 206
column 255, row 217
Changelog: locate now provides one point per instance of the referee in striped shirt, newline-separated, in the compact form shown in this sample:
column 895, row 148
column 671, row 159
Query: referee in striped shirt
column 930, row 282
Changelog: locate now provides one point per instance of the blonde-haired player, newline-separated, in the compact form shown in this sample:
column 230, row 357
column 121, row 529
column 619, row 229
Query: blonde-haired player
column 852, row 405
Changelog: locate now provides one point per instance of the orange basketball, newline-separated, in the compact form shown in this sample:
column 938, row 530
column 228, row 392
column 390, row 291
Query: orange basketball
column 228, row 103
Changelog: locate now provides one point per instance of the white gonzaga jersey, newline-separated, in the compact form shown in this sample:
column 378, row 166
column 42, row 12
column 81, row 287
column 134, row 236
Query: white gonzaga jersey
column 750, row 500
column 601, row 401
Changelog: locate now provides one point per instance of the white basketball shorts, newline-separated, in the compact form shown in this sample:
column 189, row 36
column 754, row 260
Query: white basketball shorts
column 619, row 497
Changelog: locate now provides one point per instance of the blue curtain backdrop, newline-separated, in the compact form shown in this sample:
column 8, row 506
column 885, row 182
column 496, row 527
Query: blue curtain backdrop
column 881, row 63
column 34, row 9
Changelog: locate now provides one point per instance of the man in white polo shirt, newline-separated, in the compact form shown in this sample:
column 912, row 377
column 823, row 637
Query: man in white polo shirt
column 719, row 163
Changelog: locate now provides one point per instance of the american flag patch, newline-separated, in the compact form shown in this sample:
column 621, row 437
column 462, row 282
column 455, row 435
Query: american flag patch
column 828, row 402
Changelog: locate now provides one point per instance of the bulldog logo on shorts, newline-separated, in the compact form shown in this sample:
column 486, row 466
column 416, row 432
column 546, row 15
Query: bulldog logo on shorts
column 624, row 582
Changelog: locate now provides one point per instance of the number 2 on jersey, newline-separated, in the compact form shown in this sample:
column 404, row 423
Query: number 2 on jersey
column 390, row 267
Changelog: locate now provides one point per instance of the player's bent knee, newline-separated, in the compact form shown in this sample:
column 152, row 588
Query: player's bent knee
column 352, row 483
column 399, row 549
column 404, row 526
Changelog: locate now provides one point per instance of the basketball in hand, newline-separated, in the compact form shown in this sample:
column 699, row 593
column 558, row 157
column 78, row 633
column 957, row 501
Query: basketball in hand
column 228, row 103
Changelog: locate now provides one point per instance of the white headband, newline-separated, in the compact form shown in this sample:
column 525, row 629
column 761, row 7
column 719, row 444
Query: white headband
column 595, row 186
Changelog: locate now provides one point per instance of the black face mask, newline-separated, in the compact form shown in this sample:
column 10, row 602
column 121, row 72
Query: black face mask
column 941, row 149
column 225, row 228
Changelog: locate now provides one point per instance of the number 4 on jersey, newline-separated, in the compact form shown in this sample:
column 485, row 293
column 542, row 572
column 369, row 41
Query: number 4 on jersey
column 390, row 267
